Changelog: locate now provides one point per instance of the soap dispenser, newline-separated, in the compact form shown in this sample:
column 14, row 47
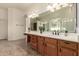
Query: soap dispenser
column 66, row 33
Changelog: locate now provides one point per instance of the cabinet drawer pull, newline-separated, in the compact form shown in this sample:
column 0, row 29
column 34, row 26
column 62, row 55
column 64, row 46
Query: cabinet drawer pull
column 66, row 42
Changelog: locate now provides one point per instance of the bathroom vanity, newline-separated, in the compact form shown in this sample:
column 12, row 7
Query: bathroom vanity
column 59, row 21
column 52, row 45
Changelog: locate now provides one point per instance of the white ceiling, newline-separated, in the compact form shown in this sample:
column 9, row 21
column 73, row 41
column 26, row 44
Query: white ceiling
column 23, row 6
column 27, row 7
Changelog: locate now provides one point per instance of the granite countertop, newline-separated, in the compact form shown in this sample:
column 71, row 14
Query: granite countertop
column 70, row 37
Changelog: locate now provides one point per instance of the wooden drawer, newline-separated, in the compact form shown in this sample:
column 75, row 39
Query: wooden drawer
column 40, row 38
column 51, row 41
column 66, row 52
column 78, row 49
column 68, row 44
column 78, row 46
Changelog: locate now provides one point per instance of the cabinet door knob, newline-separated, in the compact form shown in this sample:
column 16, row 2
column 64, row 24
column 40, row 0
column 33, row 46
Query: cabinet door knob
column 60, row 49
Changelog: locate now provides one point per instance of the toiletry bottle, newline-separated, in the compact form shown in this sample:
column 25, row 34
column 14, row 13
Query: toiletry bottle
column 66, row 33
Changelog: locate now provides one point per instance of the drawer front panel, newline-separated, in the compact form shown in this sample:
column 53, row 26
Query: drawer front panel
column 51, row 41
column 68, row 44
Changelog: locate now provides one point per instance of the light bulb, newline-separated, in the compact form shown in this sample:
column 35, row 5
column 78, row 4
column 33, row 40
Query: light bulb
column 70, row 5
column 54, row 5
column 65, row 5
column 58, row 7
column 33, row 15
column 49, row 7
column 52, row 10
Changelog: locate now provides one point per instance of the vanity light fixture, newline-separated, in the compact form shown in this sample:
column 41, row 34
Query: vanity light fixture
column 64, row 5
column 53, row 7
column 57, row 6
column 50, row 8
column 33, row 15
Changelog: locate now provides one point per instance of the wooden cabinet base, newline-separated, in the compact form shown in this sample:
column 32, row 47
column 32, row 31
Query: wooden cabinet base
column 40, row 45
column 53, row 47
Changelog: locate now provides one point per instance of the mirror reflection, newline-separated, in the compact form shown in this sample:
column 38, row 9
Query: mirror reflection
column 61, row 18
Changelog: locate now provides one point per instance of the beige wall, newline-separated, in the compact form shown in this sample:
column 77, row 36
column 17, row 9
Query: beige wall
column 3, row 23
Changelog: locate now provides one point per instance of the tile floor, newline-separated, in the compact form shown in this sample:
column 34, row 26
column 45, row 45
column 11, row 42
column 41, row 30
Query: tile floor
column 16, row 48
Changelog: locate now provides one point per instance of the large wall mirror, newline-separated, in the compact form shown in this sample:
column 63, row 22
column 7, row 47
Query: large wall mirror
column 61, row 19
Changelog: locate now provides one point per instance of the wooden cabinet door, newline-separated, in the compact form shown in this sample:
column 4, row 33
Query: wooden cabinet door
column 78, row 52
column 28, row 38
column 50, row 47
column 41, row 45
column 51, row 50
column 78, row 49
column 33, row 42
column 66, row 52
